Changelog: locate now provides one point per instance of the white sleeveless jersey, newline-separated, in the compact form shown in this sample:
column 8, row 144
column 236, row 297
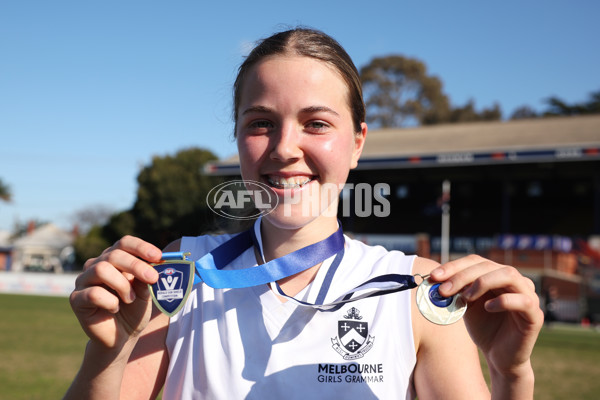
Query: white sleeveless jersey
column 247, row 344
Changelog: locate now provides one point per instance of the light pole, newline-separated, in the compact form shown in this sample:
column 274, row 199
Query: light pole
column 445, row 242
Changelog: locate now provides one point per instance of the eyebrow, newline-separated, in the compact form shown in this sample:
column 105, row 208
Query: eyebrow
column 306, row 110
column 315, row 109
column 257, row 109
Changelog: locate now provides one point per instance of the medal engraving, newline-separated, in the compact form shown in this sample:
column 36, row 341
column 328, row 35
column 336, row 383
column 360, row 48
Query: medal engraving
column 436, row 308
column 174, row 284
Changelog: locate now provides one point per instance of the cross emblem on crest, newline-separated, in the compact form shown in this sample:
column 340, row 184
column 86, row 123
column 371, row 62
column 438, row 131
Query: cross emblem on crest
column 352, row 334
column 353, row 339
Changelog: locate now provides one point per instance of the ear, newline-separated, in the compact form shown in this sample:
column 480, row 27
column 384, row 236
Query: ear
column 359, row 143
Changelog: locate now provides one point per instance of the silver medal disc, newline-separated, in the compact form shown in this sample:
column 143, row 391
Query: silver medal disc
column 437, row 309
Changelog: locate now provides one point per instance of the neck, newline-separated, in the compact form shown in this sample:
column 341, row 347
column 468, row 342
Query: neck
column 277, row 242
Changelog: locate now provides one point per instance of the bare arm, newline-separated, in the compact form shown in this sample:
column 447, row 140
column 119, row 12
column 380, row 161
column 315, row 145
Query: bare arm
column 447, row 360
column 503, row 320
column 145, row 372
column 126, row 355
column 137, row 371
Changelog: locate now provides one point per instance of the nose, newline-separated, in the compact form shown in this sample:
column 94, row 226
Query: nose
column 286, row 144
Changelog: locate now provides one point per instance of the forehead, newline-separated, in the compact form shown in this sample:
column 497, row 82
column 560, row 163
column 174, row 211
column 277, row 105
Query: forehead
column 293, row 74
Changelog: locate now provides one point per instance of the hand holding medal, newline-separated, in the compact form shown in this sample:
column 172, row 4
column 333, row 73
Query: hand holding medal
column 111, row 300
column 504, row 316
column 437, row 308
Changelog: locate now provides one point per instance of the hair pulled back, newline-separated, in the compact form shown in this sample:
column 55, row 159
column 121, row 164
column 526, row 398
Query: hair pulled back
column 308, row 43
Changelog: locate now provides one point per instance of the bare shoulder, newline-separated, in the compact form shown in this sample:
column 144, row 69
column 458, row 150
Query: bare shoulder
column 439, row 346
column 426, row 332
column 421, row 327
column 423, row 266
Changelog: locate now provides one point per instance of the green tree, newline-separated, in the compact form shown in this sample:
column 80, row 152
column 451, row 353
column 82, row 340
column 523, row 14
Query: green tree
column 5, row 194
column 556, row 106
column 171, row 203
column 467, row 113
column 524, row 112
column 97, row 237
column 89, row 245
column 398, row 92
column 119, row 225
column 171, row 197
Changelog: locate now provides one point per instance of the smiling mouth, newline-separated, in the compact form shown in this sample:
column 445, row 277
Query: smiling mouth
column 292, row 182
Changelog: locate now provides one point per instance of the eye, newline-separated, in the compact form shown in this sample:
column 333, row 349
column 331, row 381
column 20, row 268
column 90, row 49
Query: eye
column 317, row 126
column 259, row 126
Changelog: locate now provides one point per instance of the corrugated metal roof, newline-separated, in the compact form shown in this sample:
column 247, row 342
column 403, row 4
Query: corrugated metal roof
column 485, row 136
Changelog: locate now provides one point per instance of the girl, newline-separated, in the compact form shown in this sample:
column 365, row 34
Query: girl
column 299, row 123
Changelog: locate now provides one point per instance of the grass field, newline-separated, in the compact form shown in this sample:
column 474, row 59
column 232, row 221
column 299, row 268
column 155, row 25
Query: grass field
column 41, row 345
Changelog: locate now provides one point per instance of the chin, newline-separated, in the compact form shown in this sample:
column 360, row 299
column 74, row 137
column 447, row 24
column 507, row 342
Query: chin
column 296, row 217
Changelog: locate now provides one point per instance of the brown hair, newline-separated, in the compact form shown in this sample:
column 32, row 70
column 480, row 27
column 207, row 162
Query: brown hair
column 308, row 43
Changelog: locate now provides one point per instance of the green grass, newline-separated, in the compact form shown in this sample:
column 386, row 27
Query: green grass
column 566, row 362
column 41, row 345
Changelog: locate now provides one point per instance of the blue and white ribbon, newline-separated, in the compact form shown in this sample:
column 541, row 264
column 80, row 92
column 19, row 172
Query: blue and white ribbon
column 210, row 269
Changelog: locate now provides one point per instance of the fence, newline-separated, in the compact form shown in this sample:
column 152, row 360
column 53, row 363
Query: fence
column 46, row 284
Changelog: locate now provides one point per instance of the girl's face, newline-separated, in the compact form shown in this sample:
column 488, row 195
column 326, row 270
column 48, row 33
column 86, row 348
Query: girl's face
column 295, row 134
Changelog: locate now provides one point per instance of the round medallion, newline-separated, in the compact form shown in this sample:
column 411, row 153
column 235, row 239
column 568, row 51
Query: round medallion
column 436, row 308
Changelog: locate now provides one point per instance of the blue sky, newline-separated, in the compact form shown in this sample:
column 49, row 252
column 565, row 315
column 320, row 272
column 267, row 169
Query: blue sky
column 91, row 90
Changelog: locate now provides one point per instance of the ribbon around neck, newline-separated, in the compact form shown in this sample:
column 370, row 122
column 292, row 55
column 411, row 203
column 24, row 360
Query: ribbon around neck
column 209, row 269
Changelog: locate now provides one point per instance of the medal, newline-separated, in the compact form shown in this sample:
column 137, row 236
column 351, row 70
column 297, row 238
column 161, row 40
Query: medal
column 174, row 284
column 436, row 308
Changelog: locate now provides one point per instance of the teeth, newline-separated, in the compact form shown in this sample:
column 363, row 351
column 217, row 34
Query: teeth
column 289, row 183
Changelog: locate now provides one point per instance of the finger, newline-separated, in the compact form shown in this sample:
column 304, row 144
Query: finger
column 87, row 265
column 105, row 273
column 132, row 245
column 130, row 264
column 458, row 274
column 142, row 290
column 138, row 248
column 92, row 298
column 510, row 302
column 445, row 271
column 530, row 283
column 505, row 279
column 465, row 277
column 528, row 307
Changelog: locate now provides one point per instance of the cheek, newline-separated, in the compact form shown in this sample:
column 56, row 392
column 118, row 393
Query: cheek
column 251, row 150
column 329, row 146
column 339, row 149
column 332, row 158
column 249, row 146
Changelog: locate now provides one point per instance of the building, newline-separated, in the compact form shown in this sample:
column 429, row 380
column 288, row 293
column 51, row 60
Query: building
column 47, row 248
column 5, row 251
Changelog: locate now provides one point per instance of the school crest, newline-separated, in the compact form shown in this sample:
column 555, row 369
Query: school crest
column 174, row 284
column 353, row 339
